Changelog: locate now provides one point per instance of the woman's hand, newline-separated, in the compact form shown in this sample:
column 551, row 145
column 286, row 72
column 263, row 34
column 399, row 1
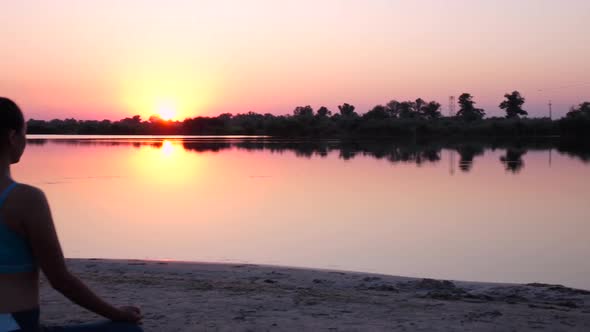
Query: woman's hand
column 127, row 314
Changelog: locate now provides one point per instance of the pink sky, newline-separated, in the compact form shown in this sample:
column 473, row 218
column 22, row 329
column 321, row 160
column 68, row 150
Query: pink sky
column 111, row 59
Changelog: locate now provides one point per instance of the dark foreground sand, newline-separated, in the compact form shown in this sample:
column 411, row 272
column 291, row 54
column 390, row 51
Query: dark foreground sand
column 234, row 297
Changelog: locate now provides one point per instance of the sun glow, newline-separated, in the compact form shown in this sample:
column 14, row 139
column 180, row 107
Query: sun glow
column 169, row 93
column 166, row 110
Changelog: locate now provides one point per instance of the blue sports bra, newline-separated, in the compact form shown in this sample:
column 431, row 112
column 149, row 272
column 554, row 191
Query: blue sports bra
column 15, row 253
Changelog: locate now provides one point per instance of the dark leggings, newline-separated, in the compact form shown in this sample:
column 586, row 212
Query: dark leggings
column 97, row 327
column 29, row 322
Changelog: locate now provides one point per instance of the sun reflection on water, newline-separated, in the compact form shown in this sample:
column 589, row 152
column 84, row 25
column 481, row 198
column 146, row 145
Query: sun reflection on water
column 166, row 164
column 167, row 148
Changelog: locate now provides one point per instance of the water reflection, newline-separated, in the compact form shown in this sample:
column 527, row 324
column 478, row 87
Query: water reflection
column 512, row 160
column 387, row 207
column 167, row 148
column 468, row 152
column 418, row 153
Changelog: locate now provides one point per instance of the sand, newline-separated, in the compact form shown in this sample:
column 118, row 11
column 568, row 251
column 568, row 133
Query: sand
column 176, row 296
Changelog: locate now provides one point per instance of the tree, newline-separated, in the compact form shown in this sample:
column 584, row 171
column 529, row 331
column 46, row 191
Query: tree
column 393, row 108
column 418, row 106
column 225, row 116
column 431, row 111
column 303, row 111
column 583, row 110
column 468, row 111
column 134, row 121
column 513, row 105
column 155, row 119
column 378, row 112
column 323, row 112
column 407, row 110
column 347, row 110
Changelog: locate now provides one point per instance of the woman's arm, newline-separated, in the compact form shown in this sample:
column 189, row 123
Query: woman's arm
column 47, row 251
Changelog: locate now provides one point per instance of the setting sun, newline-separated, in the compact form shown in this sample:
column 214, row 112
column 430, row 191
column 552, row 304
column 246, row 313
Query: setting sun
column 166, row 111
column 167, row 93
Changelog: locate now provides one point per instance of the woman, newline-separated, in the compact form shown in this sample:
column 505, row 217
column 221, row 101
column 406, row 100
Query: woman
column 29, row 243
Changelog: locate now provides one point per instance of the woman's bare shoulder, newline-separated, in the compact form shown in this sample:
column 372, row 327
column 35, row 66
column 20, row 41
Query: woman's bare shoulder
column 28, row 195
column 29, row 205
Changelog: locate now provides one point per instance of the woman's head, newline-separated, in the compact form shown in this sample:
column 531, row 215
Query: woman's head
column 12, row 131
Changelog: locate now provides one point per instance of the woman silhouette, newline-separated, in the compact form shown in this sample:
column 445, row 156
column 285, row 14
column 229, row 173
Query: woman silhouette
column 29, row 244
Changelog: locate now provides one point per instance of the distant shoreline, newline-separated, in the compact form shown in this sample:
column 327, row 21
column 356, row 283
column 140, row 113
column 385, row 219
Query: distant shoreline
column 185, row 296
column 308, row 126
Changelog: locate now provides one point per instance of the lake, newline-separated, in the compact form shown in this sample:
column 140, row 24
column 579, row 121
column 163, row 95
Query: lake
column 483, row 212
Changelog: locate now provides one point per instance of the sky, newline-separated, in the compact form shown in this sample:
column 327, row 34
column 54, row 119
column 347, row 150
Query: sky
column 110, row 59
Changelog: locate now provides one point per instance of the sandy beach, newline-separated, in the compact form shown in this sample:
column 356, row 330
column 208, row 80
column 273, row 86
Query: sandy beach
column 177, row 296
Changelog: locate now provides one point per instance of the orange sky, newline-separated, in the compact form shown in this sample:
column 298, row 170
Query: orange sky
column 111, row 59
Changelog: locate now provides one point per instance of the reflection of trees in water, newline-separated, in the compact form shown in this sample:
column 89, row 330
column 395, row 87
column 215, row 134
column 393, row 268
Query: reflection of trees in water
column 156, row 143
column 393, row 152
column 512, row 160
column 36, row 141
column 575, row 149
column 417, row 156
column 206, row 146
column 467, row 153
column 417, row 153
column 347, row 149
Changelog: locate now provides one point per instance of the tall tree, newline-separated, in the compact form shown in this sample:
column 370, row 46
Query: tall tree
column 407, row 110
column 431, row 111
column 378, row 112
column 393, row 108
column 303, row 111
column 467, row 109
column 583, row 110
column 513, row 105
column 346, row 109
column 419, row 104
column 323, row 112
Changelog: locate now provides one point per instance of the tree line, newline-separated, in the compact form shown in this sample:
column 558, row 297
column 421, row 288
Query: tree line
column 395, row 118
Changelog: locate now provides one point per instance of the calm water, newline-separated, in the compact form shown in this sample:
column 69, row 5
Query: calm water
column 470, row 212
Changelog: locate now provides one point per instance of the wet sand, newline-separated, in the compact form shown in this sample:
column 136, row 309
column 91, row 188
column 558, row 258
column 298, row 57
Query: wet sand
column 176, row 296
